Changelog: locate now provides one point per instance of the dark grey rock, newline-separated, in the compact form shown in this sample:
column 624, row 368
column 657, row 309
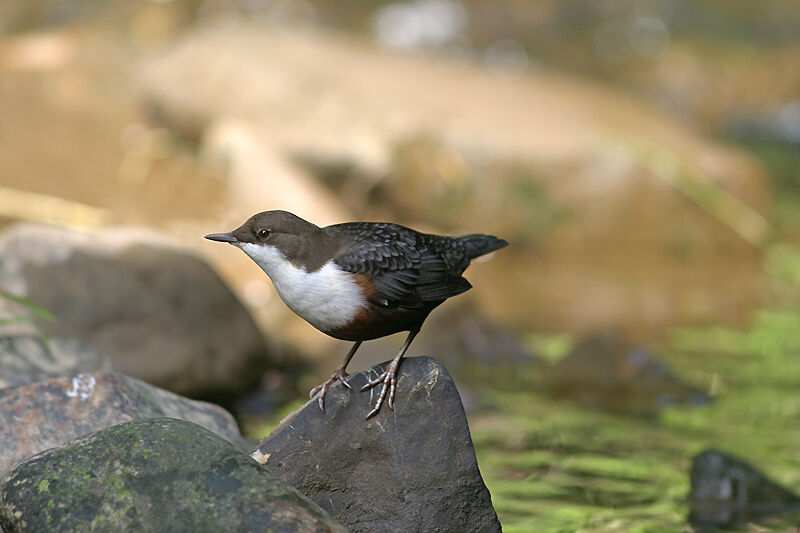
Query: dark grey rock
column 153, row 475
column 44, row 414
column 159, row 312
column 29, row 358
column 607, row 372
column 408, row 469
column 728, row 491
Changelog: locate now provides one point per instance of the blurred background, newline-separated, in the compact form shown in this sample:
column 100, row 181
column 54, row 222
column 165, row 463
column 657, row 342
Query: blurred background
column 641, row 157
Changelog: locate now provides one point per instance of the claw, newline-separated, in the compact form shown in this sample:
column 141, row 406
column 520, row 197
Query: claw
column 389, row 376
column 322, row 388
column 389, row 380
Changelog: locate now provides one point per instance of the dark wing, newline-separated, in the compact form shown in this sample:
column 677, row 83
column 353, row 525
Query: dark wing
column 404, row 270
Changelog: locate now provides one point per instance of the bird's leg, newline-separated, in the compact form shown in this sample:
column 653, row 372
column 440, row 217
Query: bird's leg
column 389, row 376
column 339, row 375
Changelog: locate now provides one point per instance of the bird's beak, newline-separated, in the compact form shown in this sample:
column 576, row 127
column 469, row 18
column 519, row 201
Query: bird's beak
column 222, row 237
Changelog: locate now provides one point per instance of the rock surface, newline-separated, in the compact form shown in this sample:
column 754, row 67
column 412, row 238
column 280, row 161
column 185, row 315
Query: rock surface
column 45, row 414
column 607, row 372
column 152, row 475
column 158, row 312
column 408, row 469
column 26, row 359
column 728, row 491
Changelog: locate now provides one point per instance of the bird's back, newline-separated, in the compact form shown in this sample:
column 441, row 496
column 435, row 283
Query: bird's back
column 409, row 268
column 401, row 247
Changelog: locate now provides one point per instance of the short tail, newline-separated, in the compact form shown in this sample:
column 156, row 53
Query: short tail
column 478, row 245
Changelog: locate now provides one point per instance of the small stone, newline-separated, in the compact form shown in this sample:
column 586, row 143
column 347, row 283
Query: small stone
column 728, row 491
column 259, row 457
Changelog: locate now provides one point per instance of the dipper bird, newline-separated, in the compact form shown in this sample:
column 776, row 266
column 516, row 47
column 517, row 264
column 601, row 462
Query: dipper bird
column 359, row 280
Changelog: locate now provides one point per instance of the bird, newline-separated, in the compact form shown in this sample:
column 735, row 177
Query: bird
column 358, row 281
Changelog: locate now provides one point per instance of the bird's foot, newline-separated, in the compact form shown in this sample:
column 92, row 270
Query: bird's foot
column 389, row 380
column 339, row 375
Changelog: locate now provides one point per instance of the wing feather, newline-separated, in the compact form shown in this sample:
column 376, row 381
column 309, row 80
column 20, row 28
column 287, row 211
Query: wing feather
column 406, row 271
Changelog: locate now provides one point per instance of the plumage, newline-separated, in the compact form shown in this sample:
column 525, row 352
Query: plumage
column 409, row 268
column 359, row 280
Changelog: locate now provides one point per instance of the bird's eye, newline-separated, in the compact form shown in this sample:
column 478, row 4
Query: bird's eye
column 264, row 233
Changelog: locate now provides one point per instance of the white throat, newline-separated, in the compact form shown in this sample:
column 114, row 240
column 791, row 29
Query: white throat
column 327, row 298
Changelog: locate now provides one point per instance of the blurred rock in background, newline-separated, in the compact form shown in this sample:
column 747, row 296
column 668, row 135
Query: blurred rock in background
column 606, row 371
column 157, row 311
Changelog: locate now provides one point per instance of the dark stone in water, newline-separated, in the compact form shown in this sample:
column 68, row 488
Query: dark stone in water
column 727, row 491
column 408, row 469
column 606, row 372
column 159, row 474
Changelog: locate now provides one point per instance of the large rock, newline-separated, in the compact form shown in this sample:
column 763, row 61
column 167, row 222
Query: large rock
column 728, row 491
column 29, row 358
column 153, row 475
column 157, row 311
column 42, row 415
column 607, row 372
column 408, row 469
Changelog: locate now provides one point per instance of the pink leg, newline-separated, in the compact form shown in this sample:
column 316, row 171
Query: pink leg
column 339, row 375
column 389, row 377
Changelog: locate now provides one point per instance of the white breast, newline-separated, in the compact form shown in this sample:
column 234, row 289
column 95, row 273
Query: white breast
column 327, row 298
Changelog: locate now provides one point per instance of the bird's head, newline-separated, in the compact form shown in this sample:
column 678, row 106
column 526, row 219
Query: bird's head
column 271, row 236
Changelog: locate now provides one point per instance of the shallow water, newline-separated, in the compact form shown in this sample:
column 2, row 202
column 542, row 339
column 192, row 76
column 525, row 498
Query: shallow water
column 553, row 466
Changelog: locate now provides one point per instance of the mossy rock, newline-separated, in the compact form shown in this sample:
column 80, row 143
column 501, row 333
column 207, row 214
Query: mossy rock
column 158, row 474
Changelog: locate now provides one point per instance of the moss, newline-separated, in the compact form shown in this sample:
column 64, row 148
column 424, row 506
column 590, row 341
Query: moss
column 104, row 482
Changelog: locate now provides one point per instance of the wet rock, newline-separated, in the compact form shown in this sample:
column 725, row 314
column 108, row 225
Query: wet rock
column 726, row 491
column 408, row 469
column 607, row 372
column 44, row 414
column 157, row 311
column 29, row 358
column 152, row 475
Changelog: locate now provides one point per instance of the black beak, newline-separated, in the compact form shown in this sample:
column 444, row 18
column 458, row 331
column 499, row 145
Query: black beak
column 222, row 237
